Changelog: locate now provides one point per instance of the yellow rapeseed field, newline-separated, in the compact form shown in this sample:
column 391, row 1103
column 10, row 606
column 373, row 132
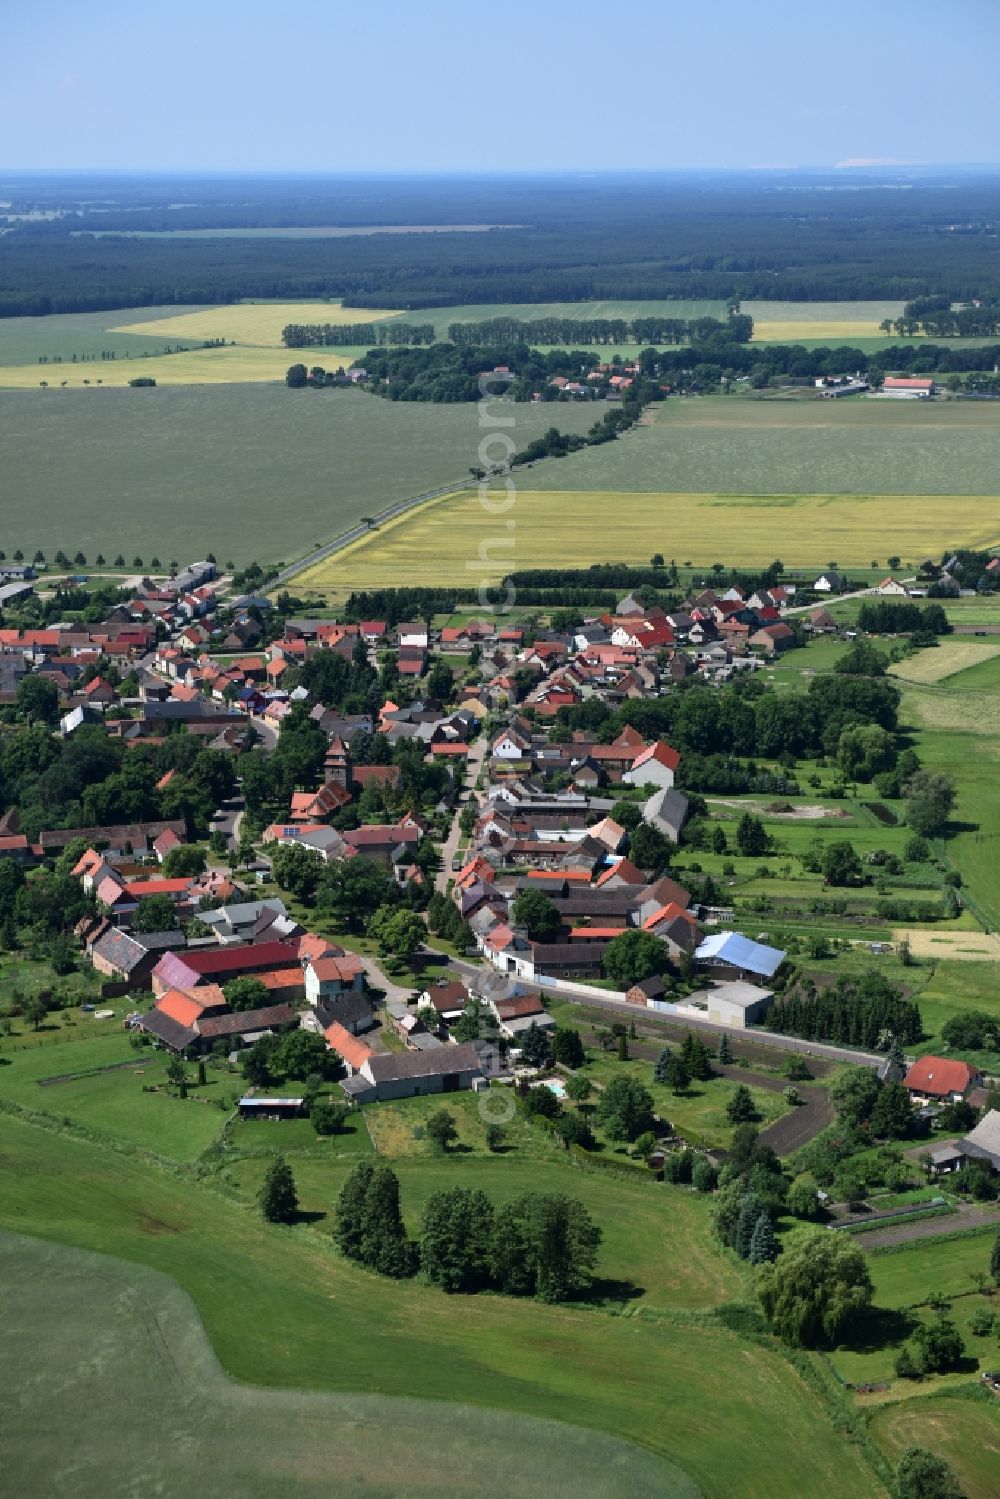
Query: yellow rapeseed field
column 458, row 540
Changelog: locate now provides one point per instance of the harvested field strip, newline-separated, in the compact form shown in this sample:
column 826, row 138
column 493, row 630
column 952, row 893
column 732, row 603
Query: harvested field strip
column 948, row 658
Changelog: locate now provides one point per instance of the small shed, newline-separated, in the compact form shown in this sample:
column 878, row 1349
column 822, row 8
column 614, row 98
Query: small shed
column 272, row 1108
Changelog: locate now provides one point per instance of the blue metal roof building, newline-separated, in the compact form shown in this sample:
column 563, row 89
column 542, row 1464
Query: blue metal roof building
column 733, row 950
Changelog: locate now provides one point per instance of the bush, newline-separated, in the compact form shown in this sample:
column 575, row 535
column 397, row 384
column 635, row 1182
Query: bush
column 704, row 1176
column 328, row 1118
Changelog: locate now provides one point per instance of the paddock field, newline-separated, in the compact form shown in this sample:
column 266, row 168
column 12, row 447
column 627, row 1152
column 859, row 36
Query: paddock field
column 456, row 540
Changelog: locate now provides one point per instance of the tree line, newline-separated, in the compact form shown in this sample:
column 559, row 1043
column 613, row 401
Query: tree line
column 502, row 331
column 852, row 1012
column 348, row 335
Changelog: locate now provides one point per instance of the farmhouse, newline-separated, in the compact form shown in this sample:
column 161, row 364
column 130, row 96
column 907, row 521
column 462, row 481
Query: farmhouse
column 918, row 388
column 940, row 1080
column 375, row 1076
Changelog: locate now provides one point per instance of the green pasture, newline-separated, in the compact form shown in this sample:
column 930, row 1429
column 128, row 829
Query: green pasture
column 904, row 1279
column 657, row 1250
column 112, row 1102
column 282, row 1309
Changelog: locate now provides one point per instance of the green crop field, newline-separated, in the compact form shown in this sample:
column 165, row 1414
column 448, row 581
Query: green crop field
column 282, row 1309
column 250, row 331
column 116, row 1338
column 245, row 471
column 736, row 445
column 25, row 340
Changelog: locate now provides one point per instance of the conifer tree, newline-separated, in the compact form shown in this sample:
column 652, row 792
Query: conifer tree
column 277, row 1197
column 763, row 1244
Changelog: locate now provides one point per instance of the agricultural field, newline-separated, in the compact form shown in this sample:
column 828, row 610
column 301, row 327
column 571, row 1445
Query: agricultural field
column 252, row 332
column 570, row 528
column 61, row 335
column 290, row 1313
column 949, row 658
column 831, row 322
column 733, row 445
column 307, row 231
column 73, row 1316
column 244, row 471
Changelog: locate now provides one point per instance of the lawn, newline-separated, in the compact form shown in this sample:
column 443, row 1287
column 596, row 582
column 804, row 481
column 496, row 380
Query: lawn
column 961, row 1428
column 112, row 1103
column 458, row 539
column 244, row 471
column 78, row 1321
column 281, row 1308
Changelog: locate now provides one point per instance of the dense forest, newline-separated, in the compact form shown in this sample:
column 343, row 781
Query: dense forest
column 780, row 235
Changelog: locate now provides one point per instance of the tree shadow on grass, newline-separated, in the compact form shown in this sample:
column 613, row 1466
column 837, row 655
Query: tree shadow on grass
column 879, row 1328
column 605, row 1289
column 304, row 1216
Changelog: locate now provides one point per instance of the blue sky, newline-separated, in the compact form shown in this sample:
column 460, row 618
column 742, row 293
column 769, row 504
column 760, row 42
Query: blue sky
column 455, row 85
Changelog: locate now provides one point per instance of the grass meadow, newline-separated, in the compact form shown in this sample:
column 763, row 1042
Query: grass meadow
column 242, row 471
column 282, row 1309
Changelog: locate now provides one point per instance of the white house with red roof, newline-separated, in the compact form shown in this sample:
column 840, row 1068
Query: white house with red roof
column 654, row 766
